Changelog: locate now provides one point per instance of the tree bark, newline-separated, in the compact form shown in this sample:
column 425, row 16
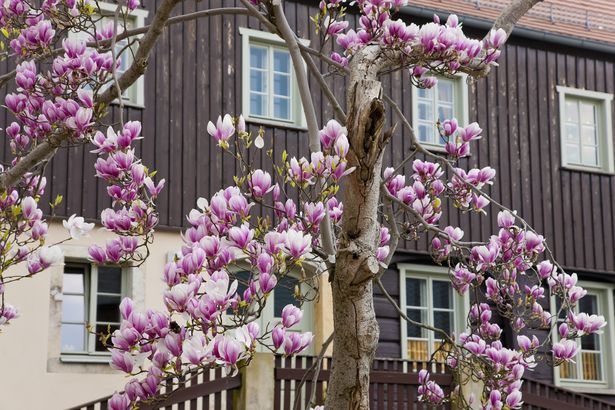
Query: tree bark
column 356, row 329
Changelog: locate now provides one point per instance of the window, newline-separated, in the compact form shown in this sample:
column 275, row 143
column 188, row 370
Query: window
column 282, row 295
column 134, row 95
column 90, row 295
column 585, row 124
column 446, row 100
column 270, row 94
column 591, row 367
column 427, row 296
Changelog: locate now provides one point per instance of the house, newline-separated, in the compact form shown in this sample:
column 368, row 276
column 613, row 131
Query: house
column 547, row 116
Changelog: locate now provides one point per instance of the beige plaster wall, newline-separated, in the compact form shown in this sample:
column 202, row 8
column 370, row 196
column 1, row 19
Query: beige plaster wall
column 32, row 374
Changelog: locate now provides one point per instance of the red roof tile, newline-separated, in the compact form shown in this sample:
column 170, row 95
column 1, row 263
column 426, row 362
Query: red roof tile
column 592, row 20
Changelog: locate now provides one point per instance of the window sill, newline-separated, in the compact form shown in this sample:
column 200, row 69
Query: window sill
column 276, row 124
column 128, row 104
column 589, row 170
column 582, row 388
column 434, row 148
column 86, row 358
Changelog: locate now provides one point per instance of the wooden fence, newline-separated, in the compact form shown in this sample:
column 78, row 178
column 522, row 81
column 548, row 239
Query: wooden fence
column 205, row 391
column 394, row 384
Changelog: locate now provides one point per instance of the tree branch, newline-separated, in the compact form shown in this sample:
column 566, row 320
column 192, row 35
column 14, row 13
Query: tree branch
column 46, row 149
column 135, row 32
column 339, row 112
column 139, row 63
column 511, row 15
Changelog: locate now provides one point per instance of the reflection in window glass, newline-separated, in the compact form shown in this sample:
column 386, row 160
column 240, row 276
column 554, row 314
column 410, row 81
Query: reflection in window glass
column 433, row 105
column 284, row 294
column 588, row 364
column 90, row 295
column 428, row 301
column 270, row 82
column 581, row 132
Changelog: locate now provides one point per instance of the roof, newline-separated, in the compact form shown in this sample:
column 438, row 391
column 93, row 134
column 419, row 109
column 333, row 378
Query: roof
column 584, row 19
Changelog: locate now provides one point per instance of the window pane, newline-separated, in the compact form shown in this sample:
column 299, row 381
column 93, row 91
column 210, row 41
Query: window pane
column 109, row 279
column 415, row 292
column 573, row 154
column 103, row 329
column 281, row 61
column 589, row 304
column 73, row 338
column 73, row 308
column 425, row 112
column 590, row 155
column 445, row 90
column 73, row 283
column 258, row 104
column 444, row 321
column 258, row 57
column 591, row 366
column 426, row 133
column 284, row 294
column 442, row 294
column 281, row 108
column 258, row 81
column 281, row 85
column 445, row 113
column 108, row 308
column 590, row 342
column 417, row 315
column 588, row 135
column 418, row 350
column 588, row 113
column 568, row 370
column 242, row 282
column 572, row 111
column 572, row 132
column 425, row 93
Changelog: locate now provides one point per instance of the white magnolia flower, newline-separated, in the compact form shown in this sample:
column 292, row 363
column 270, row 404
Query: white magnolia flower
column 77, row 227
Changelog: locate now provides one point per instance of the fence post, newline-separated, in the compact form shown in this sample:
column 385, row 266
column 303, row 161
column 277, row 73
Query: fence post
column 257, row 384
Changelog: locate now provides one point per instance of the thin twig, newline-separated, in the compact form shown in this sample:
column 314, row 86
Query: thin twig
column 316, row 367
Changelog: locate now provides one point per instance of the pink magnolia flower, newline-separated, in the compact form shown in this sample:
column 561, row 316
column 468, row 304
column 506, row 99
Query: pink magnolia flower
column 565, row 350
column 277, row 336
column 222, row 131
column 119, row 402
column 229, row 350
column 291, row 315
column 267, row 282
column 330, row 133
column 297, row 244
column 297, row 342
column 260, row 183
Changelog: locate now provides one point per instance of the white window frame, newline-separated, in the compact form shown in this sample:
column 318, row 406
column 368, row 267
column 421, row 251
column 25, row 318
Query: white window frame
column 272, row 41
column 460, row 108
column 604, row 128
column 136, row 92
column 91, row 288
column 604, row 292
column 461, row 303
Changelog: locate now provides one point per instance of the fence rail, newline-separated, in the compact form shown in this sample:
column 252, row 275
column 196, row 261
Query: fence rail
column 394, row 384
column 203, row 391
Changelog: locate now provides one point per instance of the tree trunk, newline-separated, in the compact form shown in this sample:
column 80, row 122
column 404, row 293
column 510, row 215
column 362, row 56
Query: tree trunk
column 356, row 329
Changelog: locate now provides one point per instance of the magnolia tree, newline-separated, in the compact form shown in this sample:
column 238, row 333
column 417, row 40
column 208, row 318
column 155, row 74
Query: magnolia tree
column 66, row 75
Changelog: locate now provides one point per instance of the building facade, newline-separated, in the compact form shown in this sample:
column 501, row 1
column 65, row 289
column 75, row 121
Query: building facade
column 547, row 116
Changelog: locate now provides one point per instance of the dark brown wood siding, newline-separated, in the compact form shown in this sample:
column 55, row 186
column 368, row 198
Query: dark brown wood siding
column 195, row 74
